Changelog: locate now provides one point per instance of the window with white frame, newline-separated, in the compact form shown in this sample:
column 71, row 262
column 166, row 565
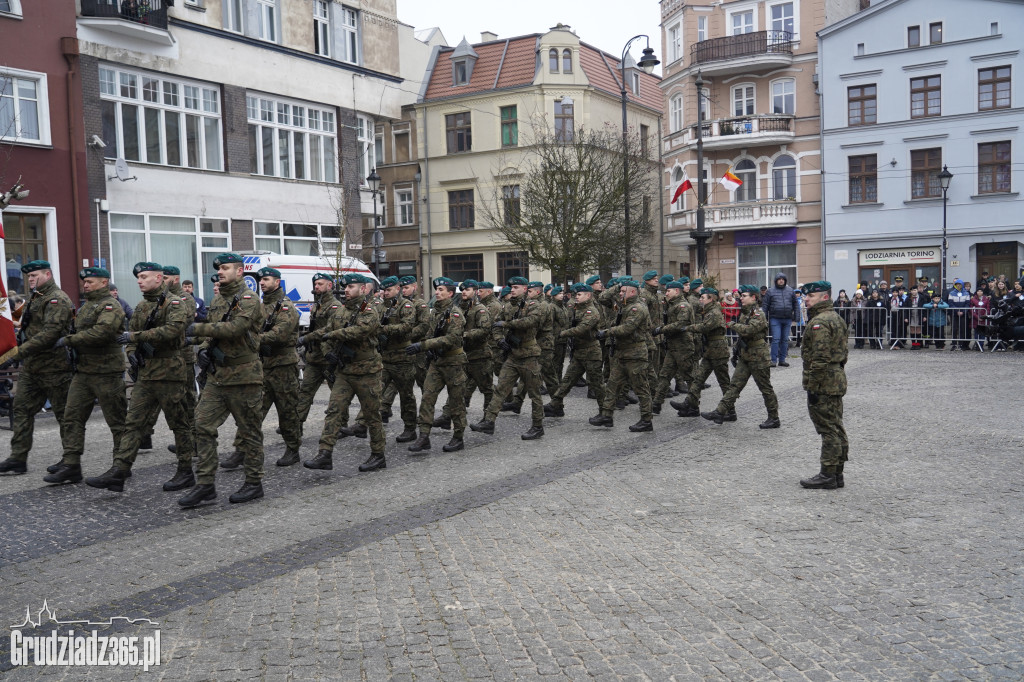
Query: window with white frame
column 743, row 100
column 784, row 96
column 758, row 264
column 290, row 139
column 153, row 119
column 676, row 113
column 295, row 239
column 784, row 178
column 702, row 28
column 267, row 12
column 675, row 45
column 234, row 13
column 742, row 22
column 746, row 171
column 322, row 28
column 634, row 82
column 366, row 148
column 403, row 200
column 24, row 107
column 782, row 19
column 10, row 7
column 349, row 52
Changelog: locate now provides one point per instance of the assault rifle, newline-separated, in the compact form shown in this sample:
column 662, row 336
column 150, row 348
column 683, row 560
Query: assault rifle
column 511, row 340
column 72, row 353
column 144, row 350
column 438, row 330
column 739, row 347
column 664, row 322
column 571, row 344
column 268, row 324
column 384, row 337
column 26, row 319
column 213, row 348
column 339, row 357
column 611, row 339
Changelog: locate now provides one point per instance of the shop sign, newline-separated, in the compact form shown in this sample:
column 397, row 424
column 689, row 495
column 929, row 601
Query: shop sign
column 766, row 237
column 924, row 254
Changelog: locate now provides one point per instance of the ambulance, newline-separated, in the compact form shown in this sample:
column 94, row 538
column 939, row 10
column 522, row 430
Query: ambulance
column 297, row 274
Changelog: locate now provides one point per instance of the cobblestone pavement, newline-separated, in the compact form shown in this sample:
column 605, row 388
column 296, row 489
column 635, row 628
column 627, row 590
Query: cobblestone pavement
column 689, row 553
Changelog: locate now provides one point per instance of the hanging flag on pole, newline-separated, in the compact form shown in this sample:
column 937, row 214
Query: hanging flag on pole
column 686, row 184
column 730, row 181
column 8, row 339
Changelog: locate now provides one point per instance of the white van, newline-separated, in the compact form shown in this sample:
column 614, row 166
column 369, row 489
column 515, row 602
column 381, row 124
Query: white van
column 297, row 274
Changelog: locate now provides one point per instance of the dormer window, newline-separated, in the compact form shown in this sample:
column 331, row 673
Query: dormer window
column 461, row 76
column 566, row 61
column 463, row 59
column 634, row 82
column 553, row 60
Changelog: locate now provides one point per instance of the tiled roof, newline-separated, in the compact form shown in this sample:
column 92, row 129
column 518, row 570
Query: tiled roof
column 603, row 73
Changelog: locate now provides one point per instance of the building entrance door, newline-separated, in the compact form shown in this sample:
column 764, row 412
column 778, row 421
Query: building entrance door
column 999, row 258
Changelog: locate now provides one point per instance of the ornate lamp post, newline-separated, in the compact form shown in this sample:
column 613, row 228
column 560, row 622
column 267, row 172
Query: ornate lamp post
column 944, row 179
column 647, row 62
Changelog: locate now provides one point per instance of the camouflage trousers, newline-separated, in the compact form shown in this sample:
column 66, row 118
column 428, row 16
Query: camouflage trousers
column 34, row 390
column 399, row 378
column 148, row 399
column 420, row 361
column 580, row 363
column 312, row 378
column 513, row 370
column 190, row 395
column 83, row 393
column 452, row 377
column 827, row 416
column 548, row 376
column 479, row 376
column 559, row 362
column 242, row 402
column 633, row 374
column 718, row 367
column 678, row 365
column 763, row 381
column 346, row 387
column 281, row 389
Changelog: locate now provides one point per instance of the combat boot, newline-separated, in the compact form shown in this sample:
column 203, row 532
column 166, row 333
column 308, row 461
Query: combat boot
column 289, row 458
column 511, row 406
column 730, row 416
column 357, row 430
column 422, row 443
column 620, row 404
column 601, row 420
column 714, row 416
column 67, row 473
column 53, row 467
column 534, row 433
column 824, row 479
column 172, row 448
column 839, row 476
column 15, row 467
column 323, row 460
column 454, row 445
column 278, row 430
column 442, row 422
column 591, row 394
column 373, row 462
column 112, row 480
column 656, row 408
column 684, row 408
column 183, row 478
column 642, row 425
column 770, row 423
column 247, row 493
column 552, row 411
column 146, row 443
column 483, row 426
column 385, row 415
column 233, row 461
column 631, row 398
column 198, row 495
column 406, row 436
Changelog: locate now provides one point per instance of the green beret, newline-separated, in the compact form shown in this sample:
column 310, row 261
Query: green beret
column 665, row 279
column 709, row 290
column 407, row 279
column 354, row 278
column 650, row 274
column 268, row 272
column 505, row 291
column 171, row 270
column 444, row 282
column 94, row 272
column 593, row 278
column 816, row 287
column 580, row 286
column 147, row 266
column 34, row 265
column 683, row 280
column 470, row 284
column 675, row 285
column 696, row 283
column 389, row 282
column 522, row 281
column 750, row 289
column 555, row 291
column 548, row 288
column 535, row 285
column 227, row 258
column 322, row 275
column 627, row 282
column 486, row 285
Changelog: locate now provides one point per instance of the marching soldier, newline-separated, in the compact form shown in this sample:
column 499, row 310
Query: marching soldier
column 629, row 353
column 172, row 278
column 716, row 352
column 397, row 323
column 353, row 336
column 446, row 366
column 825, row 349
column 154, row 339
column 98, row 363
column 751, row 358
column 235, row 385
column 546, row 343
column 419, row 330
column 321, row 316
column 561, row 323
column 520, row 321
column 476, row 339
column 46, row 372
column 494, row 306
column 678, row 361
column 584, row 350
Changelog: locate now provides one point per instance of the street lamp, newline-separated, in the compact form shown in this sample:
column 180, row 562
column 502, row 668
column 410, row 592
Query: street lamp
column 700, row 235
column 944, row 179
column 647, row 62
column 373, row 180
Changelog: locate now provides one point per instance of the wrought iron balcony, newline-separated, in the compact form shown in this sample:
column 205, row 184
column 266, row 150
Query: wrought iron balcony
column 743, row 131
column 742, row 45
column 146, row 12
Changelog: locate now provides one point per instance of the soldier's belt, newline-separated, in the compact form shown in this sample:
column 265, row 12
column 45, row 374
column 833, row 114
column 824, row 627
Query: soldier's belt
column 283, row 350
column 240, row 360
column 715, row 335
column 99, row 350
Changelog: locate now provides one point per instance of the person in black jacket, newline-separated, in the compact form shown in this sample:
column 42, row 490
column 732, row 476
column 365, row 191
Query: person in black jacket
column 780, row 307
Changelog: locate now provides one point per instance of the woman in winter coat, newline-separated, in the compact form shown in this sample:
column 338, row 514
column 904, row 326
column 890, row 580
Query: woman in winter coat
column 980, row 307
column 857, row 310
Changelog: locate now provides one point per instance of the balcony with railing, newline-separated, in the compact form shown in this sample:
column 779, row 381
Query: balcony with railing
column 741, row 215
column 744, row 131
column 145, row 19
column 731, row 54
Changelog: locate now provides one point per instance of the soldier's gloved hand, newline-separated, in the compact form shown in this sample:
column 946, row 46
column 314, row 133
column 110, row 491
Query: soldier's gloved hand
column 203, row 359
column 190, row 340
column 601, row 334
column 124, row 338
column 191, row 330
column 61, row 342
column 414, row 348
column 657, row 331
column 812, row 398
column 301, row 342
column 499, row 324
column 505, row 346
column 564, row 334
column 133, row 362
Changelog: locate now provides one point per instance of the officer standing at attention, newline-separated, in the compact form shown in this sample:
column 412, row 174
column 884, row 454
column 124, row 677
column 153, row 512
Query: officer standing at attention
column 476, row 341
column 585, row 356
column 678, row 361
column 321, row 316
column 825, row 349
column 353, row 339
column 235, row 385
column 751, row 358
column 397, row 321
column 629, row 358
column 715, row 359
column 98, row 363
column 154, row 339
column 445, row 367
column 46, row 372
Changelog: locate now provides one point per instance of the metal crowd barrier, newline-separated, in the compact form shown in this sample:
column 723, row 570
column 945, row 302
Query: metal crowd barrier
column 919, row 327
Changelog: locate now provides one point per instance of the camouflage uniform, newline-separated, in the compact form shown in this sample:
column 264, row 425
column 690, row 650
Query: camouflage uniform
column 321, row 317
column 561, row 323
column 494, row 307
column 825, row 349
column 630, row 358
column 476, row 342
column 188, row 370
column 715, row 358
column 754, row 360
column 419, row 362
column 235, row 386
column 652, row 297
column 444, row 340
column 399, row 371
column 100, row 375
column 522, row 363
column 678, row 360
column 586, row 353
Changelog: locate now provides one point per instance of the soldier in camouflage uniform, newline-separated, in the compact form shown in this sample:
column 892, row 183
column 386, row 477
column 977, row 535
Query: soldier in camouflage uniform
column 397, row 323
column 321, row 317
column 172, row 278
column 710, row 331
column 561, row 323
column 585, row 350
column 99, row 375
column 607, row 307
column 751, row 358
column 546, row 343
column 476, row 339
column 419, row 330
column 485, row 293
column 678, row 359
column 629, row 357
column 651, row 295
column 520, row 321
column 353, row 338
column 45, row 373
column 154, row 339
column 446, row 367
column 235, row 384
column 825, row 349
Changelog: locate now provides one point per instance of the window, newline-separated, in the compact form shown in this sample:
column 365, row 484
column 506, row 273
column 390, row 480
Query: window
column 464, row 266
column 366, row 147
column 155, row 120
column 925, row 165
column 403, row 151
column 460, row 210
column 509, row 126
column 403, row 199
column 677, row 179
column 757, row 265
column 512, row 264
column 743, row 100
column 784, row 96
column 564, row 126
column 782, row 19
column 267, row 12
column 460, row 132
column 233, row 16
column 925, row 96
column 993, row 29
column 553, row 60
column 862, row 105
column 993, row 167
column 634, row 82
column 24, row 241
column 11, row 7
column 675, row 119
column 291, row 140
column 784, row 178
column 511, row 205
column 747, row 172
column 675, row 46
column 860, row 49
column 864, row 179
column 321, row 28
column 935, row 33
column 295, row 239
column 566, row 61
column 378, row 148
column 460, row 72
column 743, row 22
column 350, row 36
column 645, row 147
column 913, row 36
column 994, row 88
column 702, row 28
column 24, row 107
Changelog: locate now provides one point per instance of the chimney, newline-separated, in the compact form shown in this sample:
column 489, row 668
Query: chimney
column 487, row 36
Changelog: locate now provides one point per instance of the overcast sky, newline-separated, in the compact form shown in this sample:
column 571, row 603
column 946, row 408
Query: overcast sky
column 604, row 24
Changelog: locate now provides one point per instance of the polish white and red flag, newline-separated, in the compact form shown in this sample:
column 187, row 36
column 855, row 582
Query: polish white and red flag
column 8, row 339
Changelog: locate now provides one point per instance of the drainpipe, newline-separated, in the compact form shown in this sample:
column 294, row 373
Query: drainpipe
column 69, row 46
column 426, row 199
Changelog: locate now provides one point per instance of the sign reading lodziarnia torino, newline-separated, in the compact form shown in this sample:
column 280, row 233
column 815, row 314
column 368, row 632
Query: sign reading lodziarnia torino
column 924, row 254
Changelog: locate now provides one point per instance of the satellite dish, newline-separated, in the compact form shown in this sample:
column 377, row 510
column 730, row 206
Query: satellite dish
column 121, row 171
